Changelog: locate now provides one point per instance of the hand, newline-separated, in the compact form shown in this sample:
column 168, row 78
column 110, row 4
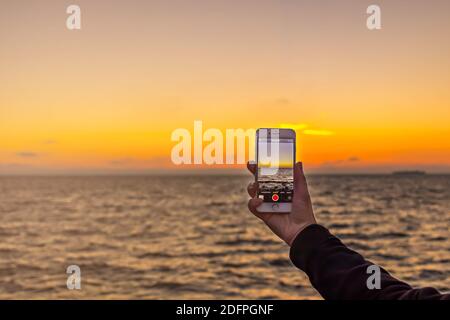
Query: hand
column 285, row 225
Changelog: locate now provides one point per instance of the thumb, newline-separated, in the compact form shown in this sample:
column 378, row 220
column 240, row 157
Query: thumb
column 300, row 186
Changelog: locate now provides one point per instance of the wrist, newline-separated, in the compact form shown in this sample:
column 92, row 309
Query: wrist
column 298, row 229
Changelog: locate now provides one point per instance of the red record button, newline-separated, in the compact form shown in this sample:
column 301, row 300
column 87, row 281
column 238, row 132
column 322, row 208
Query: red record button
column 275, row 197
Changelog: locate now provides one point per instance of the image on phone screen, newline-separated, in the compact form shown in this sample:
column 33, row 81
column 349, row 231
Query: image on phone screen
column 276, row 180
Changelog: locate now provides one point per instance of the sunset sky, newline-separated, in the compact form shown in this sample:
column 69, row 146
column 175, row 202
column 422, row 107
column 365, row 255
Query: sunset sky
column 282, row 159
column 106, row 98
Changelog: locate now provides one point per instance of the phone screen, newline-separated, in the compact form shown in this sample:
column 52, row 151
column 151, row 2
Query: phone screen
column 276, row 174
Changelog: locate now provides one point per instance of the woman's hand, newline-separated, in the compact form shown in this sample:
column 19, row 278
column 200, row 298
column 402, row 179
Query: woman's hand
column 285, row 225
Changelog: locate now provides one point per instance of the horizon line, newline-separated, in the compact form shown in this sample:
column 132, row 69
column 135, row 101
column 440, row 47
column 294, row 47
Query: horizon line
column 408, row 173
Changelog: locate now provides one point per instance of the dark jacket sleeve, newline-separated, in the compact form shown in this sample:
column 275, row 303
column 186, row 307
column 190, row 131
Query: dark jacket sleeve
column 339, row 273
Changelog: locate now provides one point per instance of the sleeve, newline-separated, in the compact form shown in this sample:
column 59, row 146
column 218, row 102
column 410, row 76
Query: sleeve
column 339, row 273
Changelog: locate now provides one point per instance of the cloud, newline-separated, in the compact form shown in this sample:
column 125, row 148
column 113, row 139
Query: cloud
column 26, row 154
column 318, row 132
column 282, row 101
column 340, row 161
column 302, row 127
column 299, row 126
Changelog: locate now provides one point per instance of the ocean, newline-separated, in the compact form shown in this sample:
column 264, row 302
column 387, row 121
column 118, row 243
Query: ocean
column 281, row 180
column 180, row 237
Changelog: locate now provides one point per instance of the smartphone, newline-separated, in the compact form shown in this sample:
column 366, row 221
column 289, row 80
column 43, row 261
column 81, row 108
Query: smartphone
column 275, row 157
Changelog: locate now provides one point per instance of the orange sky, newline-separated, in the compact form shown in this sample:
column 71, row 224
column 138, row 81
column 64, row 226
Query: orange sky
column 107, row 98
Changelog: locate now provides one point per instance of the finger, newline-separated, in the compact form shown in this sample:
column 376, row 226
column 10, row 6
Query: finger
column 253, row 204
column 300, row 185
column 252, row 189
column 251, row 166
